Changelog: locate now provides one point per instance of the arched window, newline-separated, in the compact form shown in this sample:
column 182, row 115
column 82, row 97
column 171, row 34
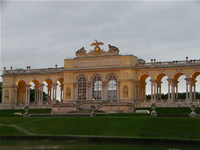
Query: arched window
column 7, row 95
column 82, row 88
column 96, row 88
column 112, row 88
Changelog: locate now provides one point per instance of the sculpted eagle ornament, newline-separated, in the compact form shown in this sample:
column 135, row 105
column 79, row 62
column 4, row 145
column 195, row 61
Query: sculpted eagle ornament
column 96, row 44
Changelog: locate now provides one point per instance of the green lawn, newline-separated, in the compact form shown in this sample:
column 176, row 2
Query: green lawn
column 10, row 131
column 184, row 128
column 10, row 113
column 182, row 110
column 129, row 125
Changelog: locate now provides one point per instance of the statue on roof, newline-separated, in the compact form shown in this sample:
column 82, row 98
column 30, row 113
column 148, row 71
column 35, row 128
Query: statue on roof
column 81, row 52
column 113, row 49
column 96, row 44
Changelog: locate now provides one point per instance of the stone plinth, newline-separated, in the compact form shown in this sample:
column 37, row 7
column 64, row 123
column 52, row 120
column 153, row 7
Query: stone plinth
column 63, row 108
column 119, row 107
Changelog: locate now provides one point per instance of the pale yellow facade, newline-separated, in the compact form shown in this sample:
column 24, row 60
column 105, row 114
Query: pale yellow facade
column 129, row 72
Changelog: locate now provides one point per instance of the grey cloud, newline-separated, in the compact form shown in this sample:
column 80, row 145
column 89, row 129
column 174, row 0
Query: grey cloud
column 42, row 34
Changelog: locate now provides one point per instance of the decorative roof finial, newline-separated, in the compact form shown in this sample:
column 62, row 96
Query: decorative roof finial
column 96, row 44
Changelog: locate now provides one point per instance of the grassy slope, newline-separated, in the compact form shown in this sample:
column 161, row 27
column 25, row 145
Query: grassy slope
column 10, row 131
column 112, row 126
column 134, row 125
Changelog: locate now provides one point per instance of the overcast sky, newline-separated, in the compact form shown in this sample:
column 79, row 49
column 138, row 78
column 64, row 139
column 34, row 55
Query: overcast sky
column 44, row 33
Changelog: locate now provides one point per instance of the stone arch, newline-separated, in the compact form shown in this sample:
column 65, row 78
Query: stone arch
column 196, row 84
column 111, row 74
column 48, row 80
column 47, row 89
column 82, row 75
column 142, row 86
column 144, row 76
column 21, row 91
column 159, row 78
column 177, row 84
column 34, row 90
column 177, row 75
column 194, row 74
column 35, row 81
column 160, row 75
column 21, row 80
column 96, row 74
column 60, row 88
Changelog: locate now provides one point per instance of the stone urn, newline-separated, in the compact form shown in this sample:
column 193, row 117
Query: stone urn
column 193, row 114
column 153, row 112
column 26, row 114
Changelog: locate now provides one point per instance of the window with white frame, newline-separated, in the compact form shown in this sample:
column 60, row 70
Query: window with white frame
column 82, row 88
column 96, row 88
column 112, row 88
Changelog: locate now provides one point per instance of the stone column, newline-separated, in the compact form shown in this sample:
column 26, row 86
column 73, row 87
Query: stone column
column 40, row 91
column 145, row 98
column 155, row 89
column 171, row 90
column 195, row 91
column 61, row 93
column 189, row 90
column 75, row 85
column 186, row 90
column 36, row 94
column 50, row 94
column 160, row 94
column 104, row 90
column 177, row 91
column 118, row 90
column 151, row 90
column 54, row 92
column 15, row 100
column 27, row 100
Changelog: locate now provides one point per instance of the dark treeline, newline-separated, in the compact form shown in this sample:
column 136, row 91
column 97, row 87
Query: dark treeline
column 180, row 96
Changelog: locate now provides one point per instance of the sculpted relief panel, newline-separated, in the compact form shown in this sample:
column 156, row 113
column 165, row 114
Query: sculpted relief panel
column 97, row 62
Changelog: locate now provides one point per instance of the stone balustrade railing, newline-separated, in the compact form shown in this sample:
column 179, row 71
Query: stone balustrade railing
column 32, row 71
column 169, row 63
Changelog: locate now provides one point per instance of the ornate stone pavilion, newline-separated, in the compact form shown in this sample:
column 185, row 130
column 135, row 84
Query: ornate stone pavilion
column 110, row 81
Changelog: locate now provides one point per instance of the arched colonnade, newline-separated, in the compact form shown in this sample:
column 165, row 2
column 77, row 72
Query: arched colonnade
column 23, row 89
column 173, row 86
